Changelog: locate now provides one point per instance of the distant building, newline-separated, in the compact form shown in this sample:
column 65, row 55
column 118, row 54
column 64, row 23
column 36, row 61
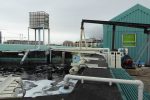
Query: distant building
column 68, row 43
column 22, row 42
column 92, row 42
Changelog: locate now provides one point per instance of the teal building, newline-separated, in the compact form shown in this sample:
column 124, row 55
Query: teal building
column 132, row 38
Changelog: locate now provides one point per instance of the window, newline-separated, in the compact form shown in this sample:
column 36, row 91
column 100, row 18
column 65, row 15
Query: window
column 129, row 40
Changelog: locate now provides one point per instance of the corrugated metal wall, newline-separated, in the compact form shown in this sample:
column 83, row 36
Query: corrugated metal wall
column 136, row 14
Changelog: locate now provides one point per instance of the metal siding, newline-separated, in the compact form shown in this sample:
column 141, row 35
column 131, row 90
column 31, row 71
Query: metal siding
column 137, row 14
column 105, row 36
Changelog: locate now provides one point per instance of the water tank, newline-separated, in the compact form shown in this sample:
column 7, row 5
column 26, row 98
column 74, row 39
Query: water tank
column 38, row 20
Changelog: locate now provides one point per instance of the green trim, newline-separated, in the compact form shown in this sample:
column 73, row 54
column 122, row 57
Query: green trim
column 21, row 47
column 19, row 59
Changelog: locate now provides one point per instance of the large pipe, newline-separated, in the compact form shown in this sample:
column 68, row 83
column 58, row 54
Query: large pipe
column 27, row 52
column 110, row 80
column 24, row 57
column 84, row 49
column 80, row 42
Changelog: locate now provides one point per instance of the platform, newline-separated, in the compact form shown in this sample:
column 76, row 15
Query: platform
column 98, row 90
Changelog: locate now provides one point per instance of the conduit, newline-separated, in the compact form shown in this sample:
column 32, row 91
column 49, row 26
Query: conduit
column 38, row 48
column 110, row 80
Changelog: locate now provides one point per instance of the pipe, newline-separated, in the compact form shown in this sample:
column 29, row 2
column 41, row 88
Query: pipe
column 39, row 37
column 85, row 40
column 27, row 52
column 49, row 36
column 28, row 35
column 43, row 35
column 35, row 37
column 80, row 42
column 24, row 57
column 110, row 80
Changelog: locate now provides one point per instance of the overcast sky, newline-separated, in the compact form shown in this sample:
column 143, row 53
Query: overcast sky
column 65, row 16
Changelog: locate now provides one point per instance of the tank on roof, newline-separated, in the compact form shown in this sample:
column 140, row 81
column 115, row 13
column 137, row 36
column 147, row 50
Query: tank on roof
column 38, row 20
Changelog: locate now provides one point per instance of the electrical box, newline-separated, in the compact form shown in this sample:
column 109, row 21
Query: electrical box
column 118, row 60
column 115, row 60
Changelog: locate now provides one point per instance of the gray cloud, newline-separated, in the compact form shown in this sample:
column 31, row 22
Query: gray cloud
column 65, row 15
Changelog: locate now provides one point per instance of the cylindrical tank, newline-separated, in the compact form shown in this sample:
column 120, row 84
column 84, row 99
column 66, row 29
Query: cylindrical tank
column 38, row 20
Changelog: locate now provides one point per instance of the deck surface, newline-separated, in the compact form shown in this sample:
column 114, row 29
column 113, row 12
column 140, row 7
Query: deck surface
column 88, row 90
column 95, row 90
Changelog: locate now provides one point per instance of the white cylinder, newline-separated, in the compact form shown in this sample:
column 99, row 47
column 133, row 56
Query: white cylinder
column 74, row 70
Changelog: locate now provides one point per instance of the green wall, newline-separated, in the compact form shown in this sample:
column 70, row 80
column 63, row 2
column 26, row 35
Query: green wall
column 136, row 14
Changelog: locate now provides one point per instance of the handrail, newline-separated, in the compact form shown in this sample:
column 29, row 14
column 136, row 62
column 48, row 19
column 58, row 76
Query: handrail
column 110, row 80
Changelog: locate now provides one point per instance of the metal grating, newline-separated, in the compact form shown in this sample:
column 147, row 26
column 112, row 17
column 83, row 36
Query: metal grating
column 129, row 91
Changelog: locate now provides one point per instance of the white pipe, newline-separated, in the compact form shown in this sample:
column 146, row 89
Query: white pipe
column 85, row 40
column 39, row 37
column 27, row 52
column 43, row 35
column 49, row 36
column 28, row 35
column 110, row 80
column 80, row 42
column 24, row 57
column 35, row 37
column 107, row 50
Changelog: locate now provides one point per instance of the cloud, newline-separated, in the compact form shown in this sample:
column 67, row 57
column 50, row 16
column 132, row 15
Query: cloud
column 65, row 15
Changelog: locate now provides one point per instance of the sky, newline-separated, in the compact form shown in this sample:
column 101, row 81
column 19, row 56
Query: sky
column 65, row 17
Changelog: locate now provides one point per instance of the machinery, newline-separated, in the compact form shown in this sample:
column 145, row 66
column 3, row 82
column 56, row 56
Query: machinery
column 78, row 63
column 127, row 61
